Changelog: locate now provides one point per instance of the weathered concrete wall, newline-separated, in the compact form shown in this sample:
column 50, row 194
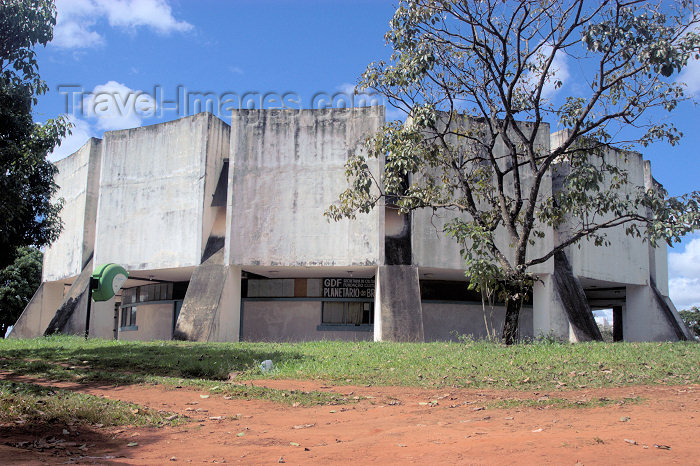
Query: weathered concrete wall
column 153, row 188
column 286, row 168
column 78, row 180
column 448, row 321
column 289, row 321
column 38, row 314
column 432, row 248
column 626, row 259
column 154, row 322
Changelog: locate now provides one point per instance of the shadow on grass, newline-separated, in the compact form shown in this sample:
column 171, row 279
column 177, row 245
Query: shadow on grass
column 134, row 363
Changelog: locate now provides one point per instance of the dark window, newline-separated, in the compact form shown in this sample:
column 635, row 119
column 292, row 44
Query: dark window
column 128, row 317
column 347, row 313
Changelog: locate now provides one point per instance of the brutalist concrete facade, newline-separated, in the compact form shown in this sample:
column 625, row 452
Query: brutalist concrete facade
column 222, row 231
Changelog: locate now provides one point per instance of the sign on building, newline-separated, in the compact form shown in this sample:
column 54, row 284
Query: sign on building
column 348, row 288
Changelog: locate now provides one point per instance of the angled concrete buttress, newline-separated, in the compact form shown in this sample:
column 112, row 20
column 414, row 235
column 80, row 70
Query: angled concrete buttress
column 68, row 316
column 582, row 326
column 39, row 311
column 212, row 307
column 41, row 318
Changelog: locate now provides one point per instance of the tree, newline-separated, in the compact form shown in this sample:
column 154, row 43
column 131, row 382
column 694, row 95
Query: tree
column 27, row 215
column 691, row 318
column 18, row 282
column 470, row 73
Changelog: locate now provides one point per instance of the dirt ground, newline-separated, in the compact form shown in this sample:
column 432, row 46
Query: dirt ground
column 393, row 426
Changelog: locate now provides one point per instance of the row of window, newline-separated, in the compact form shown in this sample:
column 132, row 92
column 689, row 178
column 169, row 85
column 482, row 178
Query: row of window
column 153, row 292
column 333, row 313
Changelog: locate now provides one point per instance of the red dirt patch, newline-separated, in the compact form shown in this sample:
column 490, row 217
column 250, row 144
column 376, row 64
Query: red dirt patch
column 391, row 427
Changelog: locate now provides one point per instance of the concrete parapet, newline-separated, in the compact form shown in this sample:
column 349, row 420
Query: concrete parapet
column 287, row 167
column 156, row 190
column 78, row 179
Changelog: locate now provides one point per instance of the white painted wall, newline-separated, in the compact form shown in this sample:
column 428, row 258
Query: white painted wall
column 153, row 187
column 286, row 168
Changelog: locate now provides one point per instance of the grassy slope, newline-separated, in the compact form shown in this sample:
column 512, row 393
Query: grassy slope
column 521, row 367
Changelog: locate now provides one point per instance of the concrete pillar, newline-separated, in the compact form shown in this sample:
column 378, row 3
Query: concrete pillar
column 102, row 319
column 548, row 314
column 228, row 325
column 212, row 306
column 644, row 320
column 398, row 314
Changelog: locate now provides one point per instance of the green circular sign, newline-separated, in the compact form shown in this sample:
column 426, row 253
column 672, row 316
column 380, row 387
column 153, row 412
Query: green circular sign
column 110, row 278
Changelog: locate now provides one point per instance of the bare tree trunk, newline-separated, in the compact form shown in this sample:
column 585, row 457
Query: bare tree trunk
column 510, row 326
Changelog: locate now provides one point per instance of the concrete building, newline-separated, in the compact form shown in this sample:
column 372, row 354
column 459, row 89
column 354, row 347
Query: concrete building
column 222, row 231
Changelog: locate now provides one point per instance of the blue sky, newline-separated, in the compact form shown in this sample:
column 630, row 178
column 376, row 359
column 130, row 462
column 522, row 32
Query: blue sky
column 303, row 46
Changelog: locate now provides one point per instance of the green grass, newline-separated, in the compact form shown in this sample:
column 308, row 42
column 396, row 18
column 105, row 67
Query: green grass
column 468, row 364
column 544, row 403
column 30, row 404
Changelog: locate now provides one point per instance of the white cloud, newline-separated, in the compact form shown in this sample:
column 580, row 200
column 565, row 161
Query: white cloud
column 691, row 73
column 393, row 113
column 558, row 71
column 235, row 69
column 110, row 106
column 686, row 263
column 684, row 272
column 346, row 88
column 71, row 35
column 685, row 292
column 691, row 77
column 76, row 19
column 80, row 133
column 116, row 106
